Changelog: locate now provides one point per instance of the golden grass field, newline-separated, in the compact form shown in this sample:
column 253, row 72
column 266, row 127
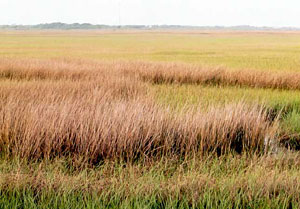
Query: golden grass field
column 152, row 119
column 234, row 50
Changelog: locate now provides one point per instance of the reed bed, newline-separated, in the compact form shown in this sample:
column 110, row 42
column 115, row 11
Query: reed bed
column 127, row 130
column 106, row 113
column 156, row 73
column 55, row 69
column 93, row 131
column 189, row 74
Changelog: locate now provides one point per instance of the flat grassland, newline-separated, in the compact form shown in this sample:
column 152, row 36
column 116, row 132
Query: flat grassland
column 149, row 119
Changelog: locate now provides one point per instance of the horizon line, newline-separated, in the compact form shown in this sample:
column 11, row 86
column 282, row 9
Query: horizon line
column 157, row 25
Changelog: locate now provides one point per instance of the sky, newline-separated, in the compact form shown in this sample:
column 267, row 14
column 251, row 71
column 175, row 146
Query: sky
column 273, row 13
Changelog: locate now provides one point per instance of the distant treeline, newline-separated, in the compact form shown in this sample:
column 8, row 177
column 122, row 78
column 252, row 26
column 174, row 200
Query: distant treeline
column 88, row 26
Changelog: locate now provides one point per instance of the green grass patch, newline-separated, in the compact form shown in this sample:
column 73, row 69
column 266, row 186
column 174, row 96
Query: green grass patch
column 212, row 95
column 230, row 181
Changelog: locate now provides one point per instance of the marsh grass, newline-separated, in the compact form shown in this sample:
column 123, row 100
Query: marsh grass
column 98, row 129
column 156, row 73
column 92, row 134
column 105, row 113
column 189, row 74
column 225, row 182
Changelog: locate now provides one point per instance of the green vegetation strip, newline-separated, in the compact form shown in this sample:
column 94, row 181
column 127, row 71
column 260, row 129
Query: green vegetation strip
column 226, row 182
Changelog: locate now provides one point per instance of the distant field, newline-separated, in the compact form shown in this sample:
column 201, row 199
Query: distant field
column 149, row 119
column 239, row 50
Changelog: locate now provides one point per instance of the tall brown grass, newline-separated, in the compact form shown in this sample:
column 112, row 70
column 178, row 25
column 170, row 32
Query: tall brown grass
column 102, row 111
column 156, row 73
column 190, row 74
column 126, row 129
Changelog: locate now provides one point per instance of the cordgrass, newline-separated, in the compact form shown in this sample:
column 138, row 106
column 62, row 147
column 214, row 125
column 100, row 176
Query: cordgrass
column 80, row 128
column 225, row 182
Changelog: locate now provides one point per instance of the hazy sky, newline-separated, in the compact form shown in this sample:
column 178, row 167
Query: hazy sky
column 180, row 12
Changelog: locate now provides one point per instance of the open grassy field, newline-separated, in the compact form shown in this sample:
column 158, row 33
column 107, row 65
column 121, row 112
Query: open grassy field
column 236, row 50
column 149, row 119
